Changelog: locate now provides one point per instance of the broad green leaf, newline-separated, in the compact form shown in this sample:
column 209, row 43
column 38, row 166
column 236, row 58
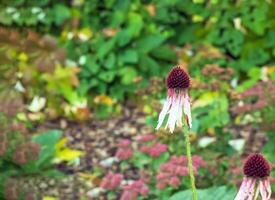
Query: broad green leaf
column 213, row 193
column 47, row 142
column 150, row 42
column 135, row 24
column 60, row 13
column 127, row 75
column 148, row 64
column 165, row 53
column 128, row 56
column 110, row 61
column 106, row 47
column 107, row 76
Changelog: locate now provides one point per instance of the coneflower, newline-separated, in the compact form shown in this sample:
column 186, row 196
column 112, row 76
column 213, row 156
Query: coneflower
column 177, row 104
column 256, row 170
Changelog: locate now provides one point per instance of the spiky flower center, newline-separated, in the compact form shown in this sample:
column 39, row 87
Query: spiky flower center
column 178, row 79
column 256, row 166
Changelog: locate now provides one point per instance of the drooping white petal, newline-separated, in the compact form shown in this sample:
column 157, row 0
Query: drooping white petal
column 180, row 111
column 262, row 190
column 250, row 188
column 265, row 189
column 173, row 114
column 242, row 194
column 268, row 187
column 164, row 111
column 247, row 189
column 187, row 110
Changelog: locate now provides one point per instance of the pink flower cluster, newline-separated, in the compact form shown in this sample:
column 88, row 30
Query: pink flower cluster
column 132, row 191
column 171, row 171
column 125, row 150
column 154, row 150
column 147, row 138
column 111, row 181
column 26, row 152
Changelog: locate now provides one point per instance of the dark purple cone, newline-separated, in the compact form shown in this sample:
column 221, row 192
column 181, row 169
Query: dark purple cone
column 178, row 79
column 256, row 166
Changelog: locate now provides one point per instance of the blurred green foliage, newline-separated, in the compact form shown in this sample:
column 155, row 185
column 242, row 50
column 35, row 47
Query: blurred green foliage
column 114, row 42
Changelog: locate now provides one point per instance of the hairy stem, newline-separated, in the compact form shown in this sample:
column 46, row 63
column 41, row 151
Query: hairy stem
column 190, row 165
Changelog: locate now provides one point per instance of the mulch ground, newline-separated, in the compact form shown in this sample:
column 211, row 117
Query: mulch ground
column 98, row 139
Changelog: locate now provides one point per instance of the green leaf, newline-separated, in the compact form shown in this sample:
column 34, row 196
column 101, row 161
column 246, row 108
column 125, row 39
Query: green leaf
column 129, row 56
column 269, row 148
column 110, row 61
column 149, row 65
column 161, row 159
column 165, row 53
column 135, row 24
column 47, row 142
column 127, row 75
column 60, row 13
column 91, row 66
column 258, row 56
column 150, row 42
column 107, row 76
column 213, row 193
column 105, row 48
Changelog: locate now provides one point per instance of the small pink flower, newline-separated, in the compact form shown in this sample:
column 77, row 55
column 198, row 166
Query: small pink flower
column 161, row 185
column 257, row 170
column 128, row 195
column 171, row 171
column 125, row 150
column 132, row 191
column 124, row 143
column 147, row 138
column 111, row 181
column 174, row 181
column 182, row 171
column 154, row 150
column 145, row 149
column 177, row 104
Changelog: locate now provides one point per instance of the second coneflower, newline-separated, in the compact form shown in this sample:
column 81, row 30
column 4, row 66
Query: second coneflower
column 256, row 170
column 177, row 104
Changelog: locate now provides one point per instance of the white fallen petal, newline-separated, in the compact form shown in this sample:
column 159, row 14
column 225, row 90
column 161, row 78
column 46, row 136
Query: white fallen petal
column 237, row 144
column 205, row 141
column 94, row 192
column 37, row 104
column 19, row 87
column 108, row 162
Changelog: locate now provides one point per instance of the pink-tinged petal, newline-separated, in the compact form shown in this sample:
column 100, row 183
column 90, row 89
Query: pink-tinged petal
column 243, row 192
column 187, row 110
column 164, row 111
column 180, row 111
column 250, row 188
column 173, row 115
column 265, row 189
column 268, row 187
column 262, row 191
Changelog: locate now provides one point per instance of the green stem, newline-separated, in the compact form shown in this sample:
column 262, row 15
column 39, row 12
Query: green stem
column 190, row 165
column 256, row 194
